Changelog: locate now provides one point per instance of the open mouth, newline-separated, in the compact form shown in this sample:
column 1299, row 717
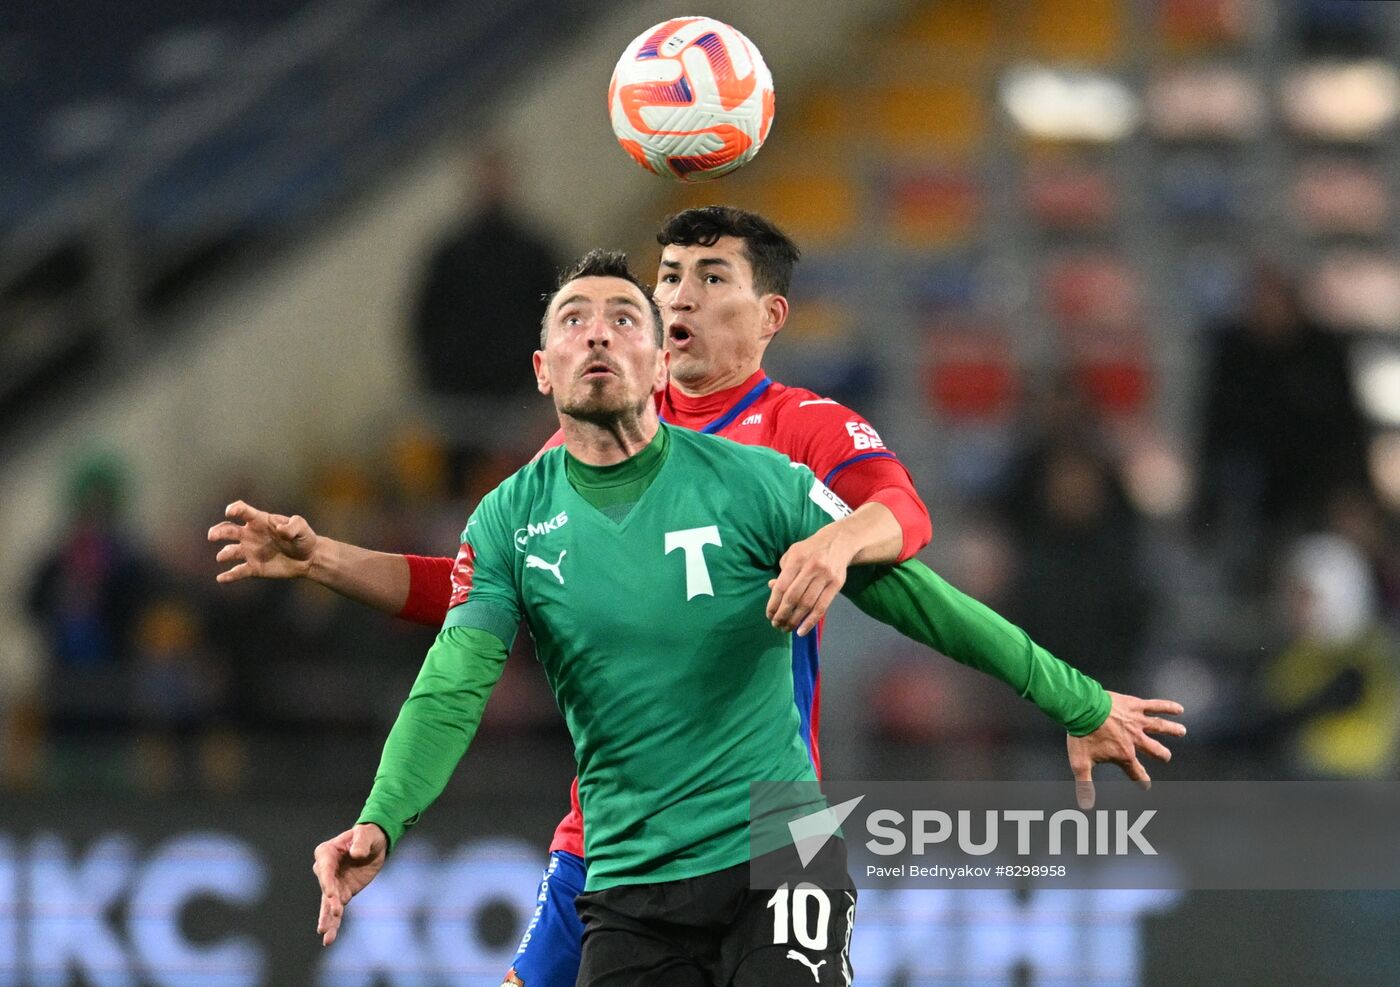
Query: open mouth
column 680, row 335
column 597, row 370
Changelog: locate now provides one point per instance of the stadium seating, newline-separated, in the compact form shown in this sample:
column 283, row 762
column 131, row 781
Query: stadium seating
column 180, row 134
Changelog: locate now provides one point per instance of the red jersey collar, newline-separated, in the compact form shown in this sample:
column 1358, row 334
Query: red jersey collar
column 695, row 413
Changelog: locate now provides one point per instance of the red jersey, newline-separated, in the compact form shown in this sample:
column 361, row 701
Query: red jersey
column 837, row 444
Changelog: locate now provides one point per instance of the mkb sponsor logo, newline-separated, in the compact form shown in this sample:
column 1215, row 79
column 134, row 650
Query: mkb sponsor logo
column 531, row 530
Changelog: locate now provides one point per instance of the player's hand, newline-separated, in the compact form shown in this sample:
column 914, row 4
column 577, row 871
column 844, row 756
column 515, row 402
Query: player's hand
column 1119, row 739
column 269, row 546
column 810, row 574
column 344, row 866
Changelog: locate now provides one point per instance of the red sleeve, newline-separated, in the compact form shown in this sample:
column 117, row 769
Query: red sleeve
column 848, row 455
column 429, row 590
column 884, row 480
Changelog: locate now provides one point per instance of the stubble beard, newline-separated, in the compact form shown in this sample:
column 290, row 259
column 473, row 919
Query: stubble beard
column 612, row 414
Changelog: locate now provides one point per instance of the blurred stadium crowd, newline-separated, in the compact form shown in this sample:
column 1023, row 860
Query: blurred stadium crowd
column 1119, row 280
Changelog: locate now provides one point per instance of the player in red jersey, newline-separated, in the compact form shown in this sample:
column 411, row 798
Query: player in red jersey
column 721, row 289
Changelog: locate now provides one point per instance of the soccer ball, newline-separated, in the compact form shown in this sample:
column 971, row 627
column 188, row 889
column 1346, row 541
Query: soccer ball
column 691, row 98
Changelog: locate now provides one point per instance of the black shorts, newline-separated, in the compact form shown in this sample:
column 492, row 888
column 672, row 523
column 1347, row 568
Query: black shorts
column 715, row 931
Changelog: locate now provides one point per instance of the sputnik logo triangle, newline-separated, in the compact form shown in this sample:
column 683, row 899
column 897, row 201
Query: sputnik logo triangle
column 811, row 832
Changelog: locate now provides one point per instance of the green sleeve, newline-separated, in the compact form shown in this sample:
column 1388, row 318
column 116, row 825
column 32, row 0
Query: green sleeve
column 434, row 727
column 484, row 591
column 915, row 601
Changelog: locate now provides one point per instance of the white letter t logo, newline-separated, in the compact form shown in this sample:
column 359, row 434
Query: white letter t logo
column 692, row 542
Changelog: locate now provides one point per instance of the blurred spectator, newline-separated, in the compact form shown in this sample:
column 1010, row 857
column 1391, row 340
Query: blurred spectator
column 177, row 683
column 982, row 561
column 1336, row 689
column 305, row 658
column 179, row 694
column 21, row 740
column 1079, row 592
column 1358, row 517
column 86, row 597
column 423, row 507
column 933, row 718
column 1281, row 431
column 477, row 316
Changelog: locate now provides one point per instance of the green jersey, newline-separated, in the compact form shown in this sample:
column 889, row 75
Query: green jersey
column 627, row 645
column 677, row 690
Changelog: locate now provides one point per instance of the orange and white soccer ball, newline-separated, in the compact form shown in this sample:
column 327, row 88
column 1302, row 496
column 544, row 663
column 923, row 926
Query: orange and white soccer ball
column 691, row 98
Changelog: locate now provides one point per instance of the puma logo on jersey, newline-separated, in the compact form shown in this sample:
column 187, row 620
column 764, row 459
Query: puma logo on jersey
column 535, row 562
column 793, row 954
column 523, row 535
column 756, row 419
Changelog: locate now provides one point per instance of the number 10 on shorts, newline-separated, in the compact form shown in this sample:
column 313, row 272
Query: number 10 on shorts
column 803, row 914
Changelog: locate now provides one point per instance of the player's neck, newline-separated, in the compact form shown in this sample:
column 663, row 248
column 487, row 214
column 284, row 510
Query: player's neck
column 697, row 390
column 607, row 443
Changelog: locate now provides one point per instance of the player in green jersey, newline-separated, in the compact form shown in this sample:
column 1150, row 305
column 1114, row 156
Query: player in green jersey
column 644, row 583
column 663, row 808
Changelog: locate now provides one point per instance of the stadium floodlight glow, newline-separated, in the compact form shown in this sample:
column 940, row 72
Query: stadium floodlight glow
column 1059, row 104
column 1378, row 383
column 1345, row 101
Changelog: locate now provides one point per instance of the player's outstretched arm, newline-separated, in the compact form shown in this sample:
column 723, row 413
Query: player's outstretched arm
column 344, row 866
column 812, row 571
column 274, row 546
column 921, row 605
column 429, row 737
column 1103, row 726
column 1119, row 739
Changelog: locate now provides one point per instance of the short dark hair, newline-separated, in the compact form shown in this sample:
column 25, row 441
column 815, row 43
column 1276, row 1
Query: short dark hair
column 770, row 252
column 599, row 263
